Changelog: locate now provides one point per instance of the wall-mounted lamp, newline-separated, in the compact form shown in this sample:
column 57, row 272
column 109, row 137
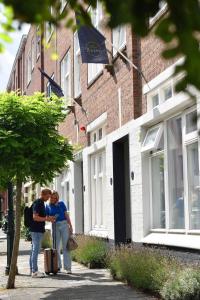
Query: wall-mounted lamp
column 132, row 175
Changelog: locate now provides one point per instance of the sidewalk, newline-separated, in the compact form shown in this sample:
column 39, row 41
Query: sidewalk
column 82, row 284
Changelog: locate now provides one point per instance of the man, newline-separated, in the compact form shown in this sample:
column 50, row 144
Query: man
column 37, row 229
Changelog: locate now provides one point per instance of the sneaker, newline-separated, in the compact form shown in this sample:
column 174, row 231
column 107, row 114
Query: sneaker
column 38, row 275
column 68, row 271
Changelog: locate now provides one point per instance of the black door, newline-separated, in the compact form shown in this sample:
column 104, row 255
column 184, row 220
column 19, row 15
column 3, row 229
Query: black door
column 121, row 187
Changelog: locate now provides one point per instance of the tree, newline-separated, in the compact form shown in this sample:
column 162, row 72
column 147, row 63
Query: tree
column 30, row 148
column 179, row 29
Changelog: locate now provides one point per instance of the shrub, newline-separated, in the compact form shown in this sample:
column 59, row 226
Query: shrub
column 183, row 286
column 91, row 251
column 47, row 240
column 25, row 233
column 141, row 268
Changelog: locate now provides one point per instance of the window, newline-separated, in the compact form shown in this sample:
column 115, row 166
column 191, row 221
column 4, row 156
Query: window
column 97, row 189
column 49, row 28
column 174, row 174
column 29, row 67
column 193, row 185
column 77, row 67
column 191, row 122
column 97, row 134
column 96, row 17
column 119, row 38
column 32, row 54
column 66, row 75
column 38, row 42
column 155, row 100
column 160, row 95
column 152, row 138
column 48, row 89
column 158, row 191
column 167, row 92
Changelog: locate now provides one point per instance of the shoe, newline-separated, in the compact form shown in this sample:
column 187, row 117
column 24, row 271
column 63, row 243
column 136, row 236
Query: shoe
column 38, row 275
column 68, row 271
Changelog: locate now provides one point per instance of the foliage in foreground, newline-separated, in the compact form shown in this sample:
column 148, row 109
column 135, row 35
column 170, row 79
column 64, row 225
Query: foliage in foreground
column 179, row 29
column 91, row 251
column 151, row 271
column 184, row 286
column 31, row 148
column 141, row 268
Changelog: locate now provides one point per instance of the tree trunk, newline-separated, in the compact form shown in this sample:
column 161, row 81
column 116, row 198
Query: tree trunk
column 13, row 266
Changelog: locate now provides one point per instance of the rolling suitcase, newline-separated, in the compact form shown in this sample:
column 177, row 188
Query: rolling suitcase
column 51, row 257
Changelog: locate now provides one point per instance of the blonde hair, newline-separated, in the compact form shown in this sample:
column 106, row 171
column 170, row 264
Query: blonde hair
column 55, row 193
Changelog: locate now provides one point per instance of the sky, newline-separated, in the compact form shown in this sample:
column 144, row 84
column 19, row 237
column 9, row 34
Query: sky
column 8, row 56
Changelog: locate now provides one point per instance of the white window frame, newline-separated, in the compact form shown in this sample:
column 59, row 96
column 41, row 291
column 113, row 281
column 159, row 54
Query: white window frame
column 160, row 91
column 32, row 54
column 96, row 132
column 77, row 64
column 48, row 86
column 154, row 145
column 116, row 32
column 63, row 4
column 38, row 42
column 187, row 139
column 96, row 17
column 29, row 67
column 49, row 28
column 158, row 14
column 66, row 77
column 97, row 195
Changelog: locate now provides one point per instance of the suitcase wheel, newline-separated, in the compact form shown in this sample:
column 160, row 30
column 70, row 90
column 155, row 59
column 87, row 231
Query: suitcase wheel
column 55, row 273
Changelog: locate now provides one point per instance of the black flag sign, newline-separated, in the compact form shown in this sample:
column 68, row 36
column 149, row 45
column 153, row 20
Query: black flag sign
column 92, row 45
column 56, row 89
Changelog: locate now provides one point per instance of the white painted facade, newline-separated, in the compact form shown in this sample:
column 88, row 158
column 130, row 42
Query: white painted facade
column 91, row 197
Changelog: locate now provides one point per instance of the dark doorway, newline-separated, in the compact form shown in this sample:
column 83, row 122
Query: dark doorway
column 121, row 188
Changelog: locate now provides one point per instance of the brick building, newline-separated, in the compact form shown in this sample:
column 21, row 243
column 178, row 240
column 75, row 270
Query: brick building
column 136, row 170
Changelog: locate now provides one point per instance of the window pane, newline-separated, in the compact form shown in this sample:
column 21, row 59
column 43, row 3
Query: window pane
column 155, row 100
column 119, row 37
column 158, row 191
column 167, row 92
column 191, row 122
column 77, row 67
column 175, row 173
column 100, row 133
column 161, row 144
column 151, row 136
column 193, row 185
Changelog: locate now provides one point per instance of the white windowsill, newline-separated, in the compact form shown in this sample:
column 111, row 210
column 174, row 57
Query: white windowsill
column 159, row 14
column 97, row 122
column 175, row 240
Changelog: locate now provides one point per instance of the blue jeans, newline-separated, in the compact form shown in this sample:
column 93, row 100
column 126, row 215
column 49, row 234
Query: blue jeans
column 36, row 246
column 62, row 233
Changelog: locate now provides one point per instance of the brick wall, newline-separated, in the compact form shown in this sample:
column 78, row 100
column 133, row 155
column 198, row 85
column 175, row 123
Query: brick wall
column 152, row 62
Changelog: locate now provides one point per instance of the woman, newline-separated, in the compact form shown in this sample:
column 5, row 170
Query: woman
column 63, row 229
